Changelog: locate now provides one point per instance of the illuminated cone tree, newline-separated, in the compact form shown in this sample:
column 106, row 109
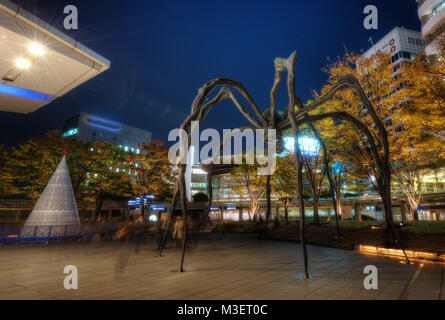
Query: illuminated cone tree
column 56, row 205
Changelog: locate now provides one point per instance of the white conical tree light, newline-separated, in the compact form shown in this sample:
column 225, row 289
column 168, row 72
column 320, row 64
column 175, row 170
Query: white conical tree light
column 56, row 205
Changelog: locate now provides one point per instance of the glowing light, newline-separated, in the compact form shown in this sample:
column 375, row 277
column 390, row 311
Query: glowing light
column 36, row 49
column 104, row 124
column 22, row 64
column 399, row 253
column 72, row 132
column 153, row 218
column 308, row 145
column 24, row 93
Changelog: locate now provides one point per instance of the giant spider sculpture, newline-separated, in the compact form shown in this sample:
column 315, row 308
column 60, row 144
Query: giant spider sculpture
column 293, row 119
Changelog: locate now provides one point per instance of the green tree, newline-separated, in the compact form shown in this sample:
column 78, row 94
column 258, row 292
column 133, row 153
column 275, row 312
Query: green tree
column 109, row 177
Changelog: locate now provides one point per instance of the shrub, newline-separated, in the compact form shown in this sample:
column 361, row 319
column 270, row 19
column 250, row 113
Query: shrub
column 425, row 227
column 367, row 218
column 236, row 226
column 354, row 224
column 200, row 197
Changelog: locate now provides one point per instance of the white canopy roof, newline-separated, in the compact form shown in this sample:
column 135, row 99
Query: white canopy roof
column 38, row 63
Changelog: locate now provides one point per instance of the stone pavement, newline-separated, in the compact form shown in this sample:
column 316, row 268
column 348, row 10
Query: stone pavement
column 232, row 267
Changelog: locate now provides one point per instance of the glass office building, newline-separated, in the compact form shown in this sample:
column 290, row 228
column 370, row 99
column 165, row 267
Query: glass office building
column 90, row 128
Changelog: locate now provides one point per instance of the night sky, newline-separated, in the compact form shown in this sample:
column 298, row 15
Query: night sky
column 161, row 52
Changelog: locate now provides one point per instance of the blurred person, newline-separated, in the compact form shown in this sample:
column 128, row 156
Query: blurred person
column 161, row 227
column 124, row 236
column 138, row 232
column 178, row 231
column 261, row 227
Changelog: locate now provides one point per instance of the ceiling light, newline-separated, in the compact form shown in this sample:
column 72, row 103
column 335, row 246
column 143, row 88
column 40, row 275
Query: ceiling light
column 22, row 63
column 36, row 49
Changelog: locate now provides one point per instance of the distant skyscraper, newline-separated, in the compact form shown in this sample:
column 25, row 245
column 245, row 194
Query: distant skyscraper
column 90, row 128
column 432, row 15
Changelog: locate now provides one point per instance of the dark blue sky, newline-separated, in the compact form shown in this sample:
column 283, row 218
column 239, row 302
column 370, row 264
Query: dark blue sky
column 162, row 51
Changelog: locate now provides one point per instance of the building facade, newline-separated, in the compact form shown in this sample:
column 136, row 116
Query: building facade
column 432, row 16
column 402, row 44
column 90, row 128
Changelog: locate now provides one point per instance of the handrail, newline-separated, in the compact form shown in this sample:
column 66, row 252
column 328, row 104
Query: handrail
column 17, row 234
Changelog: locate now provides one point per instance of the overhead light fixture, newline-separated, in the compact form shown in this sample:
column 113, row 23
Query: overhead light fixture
column 22, row 64
column 36, row 49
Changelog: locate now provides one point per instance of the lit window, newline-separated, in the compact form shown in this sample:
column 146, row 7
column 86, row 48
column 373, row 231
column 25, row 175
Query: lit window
column 71, row 132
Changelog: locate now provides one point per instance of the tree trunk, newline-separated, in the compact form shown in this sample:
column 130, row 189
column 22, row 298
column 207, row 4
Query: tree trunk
column 142, row 206
column 403, row 211
column 415, row 214
column 339, row 209
column 99, row 209
column 356, row 212
column 286, row 212
column 267, row 204
column 316, row 215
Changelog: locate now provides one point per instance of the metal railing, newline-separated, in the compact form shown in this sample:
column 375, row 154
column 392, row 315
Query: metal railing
column 53, row 233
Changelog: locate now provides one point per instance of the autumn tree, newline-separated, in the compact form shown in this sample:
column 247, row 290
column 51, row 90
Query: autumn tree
column 7, row 185
column 284, row 184
column 315, row 172
column 249, row 183
column 151, row 172
column 32, row 163
column 391, row 90
column 109, row 175
column 419, row 145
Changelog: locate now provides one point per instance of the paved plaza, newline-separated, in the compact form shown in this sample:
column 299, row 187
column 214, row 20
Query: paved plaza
column 229, row 267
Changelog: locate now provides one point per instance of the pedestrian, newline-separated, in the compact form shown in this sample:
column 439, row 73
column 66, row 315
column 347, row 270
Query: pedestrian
column 261, row 227
column 138, row 232
column 178, row 231
column 123, row 236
